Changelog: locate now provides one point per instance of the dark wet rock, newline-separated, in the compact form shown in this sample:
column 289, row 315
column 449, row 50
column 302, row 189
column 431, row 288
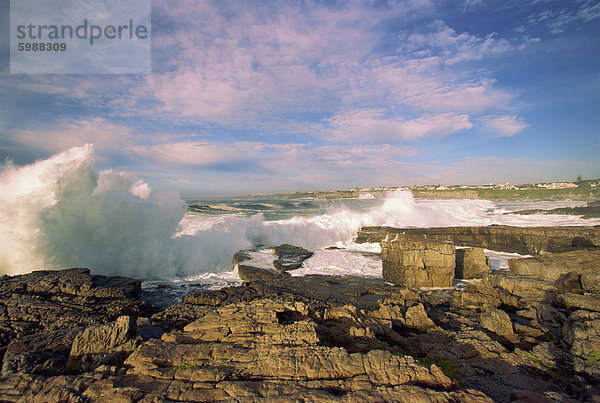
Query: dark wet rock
column 290, row 257
column 77, row 282
column 48, row 301
column 44, row 353
column 225, row 296
column 248, row 271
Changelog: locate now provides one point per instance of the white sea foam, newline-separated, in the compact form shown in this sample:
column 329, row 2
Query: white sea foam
column 366, row 196
column 499, row 260
column 340, row 262
column 59, row 213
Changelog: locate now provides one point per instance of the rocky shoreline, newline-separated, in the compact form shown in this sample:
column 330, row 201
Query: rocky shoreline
column 528, row 334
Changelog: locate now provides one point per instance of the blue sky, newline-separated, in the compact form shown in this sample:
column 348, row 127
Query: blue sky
column 256, row 96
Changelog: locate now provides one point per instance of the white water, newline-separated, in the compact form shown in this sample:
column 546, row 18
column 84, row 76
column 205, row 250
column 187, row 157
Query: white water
column 59, row 213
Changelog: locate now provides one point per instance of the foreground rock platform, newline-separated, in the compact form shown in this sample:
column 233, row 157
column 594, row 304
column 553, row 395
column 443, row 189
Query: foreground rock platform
column 503, row 337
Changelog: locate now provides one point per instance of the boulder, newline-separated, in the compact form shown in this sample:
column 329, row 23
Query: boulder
column 582, row 333
column 260, row 321
column 569, row 282
column 471, row 263
column 523, row 287
column 480, row 295
column 497, row 321
column 590, row 282
column 413, row 262
column 105, row 338
column 416, row 318
column 588, row 302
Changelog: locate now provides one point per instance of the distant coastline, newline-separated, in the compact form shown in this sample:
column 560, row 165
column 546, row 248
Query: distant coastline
column 587, row 190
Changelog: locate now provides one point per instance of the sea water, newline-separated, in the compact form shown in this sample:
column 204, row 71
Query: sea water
column 60, row 213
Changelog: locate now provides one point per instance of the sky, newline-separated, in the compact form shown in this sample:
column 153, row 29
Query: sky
column 280, row 96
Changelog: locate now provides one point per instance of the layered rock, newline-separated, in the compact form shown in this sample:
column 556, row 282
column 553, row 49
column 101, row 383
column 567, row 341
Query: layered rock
column 550, row 267
column 497, row 321
column 522, row 240
column 411, row 262
column 471, row 263
column 284, row 258
column 47, row 301
column 321, row 338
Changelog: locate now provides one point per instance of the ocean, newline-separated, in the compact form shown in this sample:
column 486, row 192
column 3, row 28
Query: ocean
column 60, row 213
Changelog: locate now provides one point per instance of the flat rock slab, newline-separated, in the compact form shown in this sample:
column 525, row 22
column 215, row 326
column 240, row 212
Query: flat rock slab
column 549, row 267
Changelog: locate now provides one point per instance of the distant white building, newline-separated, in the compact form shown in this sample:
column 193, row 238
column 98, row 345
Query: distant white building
column 558, row 185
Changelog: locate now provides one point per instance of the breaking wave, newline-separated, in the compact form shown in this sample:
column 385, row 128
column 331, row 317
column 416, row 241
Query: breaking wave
column 60, row 213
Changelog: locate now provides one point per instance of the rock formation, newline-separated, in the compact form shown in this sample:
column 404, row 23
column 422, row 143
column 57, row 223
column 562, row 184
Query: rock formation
column 522, row 240
column 501, row 338
column 471, row 263
column 550, row 267
column 409, row 262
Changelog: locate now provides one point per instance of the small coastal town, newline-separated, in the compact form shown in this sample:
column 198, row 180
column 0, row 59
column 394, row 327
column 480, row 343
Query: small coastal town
column 506, row 186
column 587, row 189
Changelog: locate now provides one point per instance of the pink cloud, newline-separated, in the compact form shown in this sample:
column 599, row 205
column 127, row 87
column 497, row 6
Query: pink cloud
column 370, row 125
column 453, row 47
column 105, row 136
column 195, row 153
column 253, row 66
column 504, row 126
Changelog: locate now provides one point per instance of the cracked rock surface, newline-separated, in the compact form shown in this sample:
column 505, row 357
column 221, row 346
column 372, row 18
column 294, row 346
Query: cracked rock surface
column 72, row 336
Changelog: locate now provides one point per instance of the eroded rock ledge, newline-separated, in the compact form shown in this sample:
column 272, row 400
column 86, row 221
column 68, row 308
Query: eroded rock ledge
column 503, row 337
column 522, row 240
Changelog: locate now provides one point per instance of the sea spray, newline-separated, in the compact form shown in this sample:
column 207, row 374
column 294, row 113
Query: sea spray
column 60, row 213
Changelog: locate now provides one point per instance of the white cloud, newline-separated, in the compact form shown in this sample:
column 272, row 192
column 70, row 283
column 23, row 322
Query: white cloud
column 557, row 20
column 195, row 153
column 107, row 137
column 470, row 4
column 282, row 68
column 256, row 166
column 259, row 67
column 503, row 126
column 452, row 47
column 371, row 126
